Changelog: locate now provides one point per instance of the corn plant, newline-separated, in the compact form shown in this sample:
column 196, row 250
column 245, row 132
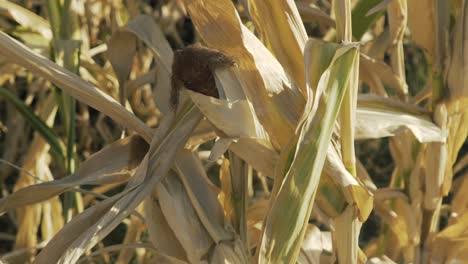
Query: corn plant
column 239, row 144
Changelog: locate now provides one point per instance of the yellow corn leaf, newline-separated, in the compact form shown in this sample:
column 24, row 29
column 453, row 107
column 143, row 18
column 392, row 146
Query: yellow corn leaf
column 460, row 198
column 276, row 102
column 281, row 29
column 354, row 191
column 398, row 16
column 26, row 18
column 35, row 160
column 451, row 244
column 457, row 127
column 346, row 231
column 420, row 15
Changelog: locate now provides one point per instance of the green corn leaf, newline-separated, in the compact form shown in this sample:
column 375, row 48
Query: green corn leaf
column 288, row 218
column 38, row 124
column 361, row 18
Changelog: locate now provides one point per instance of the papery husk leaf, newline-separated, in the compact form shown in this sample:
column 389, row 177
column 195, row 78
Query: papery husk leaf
column 315, row 242
column 379, row 117
column 249, row 141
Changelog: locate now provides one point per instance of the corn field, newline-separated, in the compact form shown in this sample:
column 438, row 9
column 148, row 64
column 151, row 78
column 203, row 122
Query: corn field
column 245, row 131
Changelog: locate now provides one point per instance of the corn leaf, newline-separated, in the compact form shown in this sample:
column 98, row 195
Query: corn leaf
column 17, row 53
column 40, row 126
column 286, row 223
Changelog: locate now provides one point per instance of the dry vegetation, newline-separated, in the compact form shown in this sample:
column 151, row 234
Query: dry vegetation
column 310, row 131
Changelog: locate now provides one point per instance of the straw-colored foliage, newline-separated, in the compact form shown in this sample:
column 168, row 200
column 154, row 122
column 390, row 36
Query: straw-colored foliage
column 251, row 146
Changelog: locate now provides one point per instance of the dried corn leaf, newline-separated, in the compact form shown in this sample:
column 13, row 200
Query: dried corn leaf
column 160, row 233
column 315, row 242
column 421, row 23
column 148, row 174
column 377, row 73
column 457, row 70
column 460, row 198
column 229, row 252
column 265, row 83
column 281, row 29
column 259, row 154
column 345, row 232
column 255, row 215
column 183, row 219
column 120, row 51
column 162, row 259
column 450, row 245
column 379, row 117
column 222, row 113
column 17, row 53
column 354, row 191
column 112, row 164
column 35, row 162
column 144, row 28
column 77, row 226
column 134, row 231
column 203, row 199
column 251, row 141
column 397, row 15
column 310, row 13
column 380, row 260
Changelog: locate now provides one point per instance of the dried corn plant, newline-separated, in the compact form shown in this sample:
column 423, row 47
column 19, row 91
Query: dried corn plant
column 192, row 131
